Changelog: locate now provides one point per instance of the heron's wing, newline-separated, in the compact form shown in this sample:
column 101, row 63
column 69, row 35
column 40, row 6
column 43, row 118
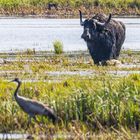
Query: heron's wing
column 36, row 107
column 31, row 106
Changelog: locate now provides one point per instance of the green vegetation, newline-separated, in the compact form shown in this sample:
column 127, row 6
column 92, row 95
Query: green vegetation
column 36, row 65
column 99, row 105
column 70, row 3
column 58, row 47
column 40, row 7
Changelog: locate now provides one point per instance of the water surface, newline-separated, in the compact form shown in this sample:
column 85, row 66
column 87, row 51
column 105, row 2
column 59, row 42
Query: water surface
column 40, row 33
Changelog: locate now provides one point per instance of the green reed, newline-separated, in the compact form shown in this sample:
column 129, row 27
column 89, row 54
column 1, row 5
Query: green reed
column 101, row 102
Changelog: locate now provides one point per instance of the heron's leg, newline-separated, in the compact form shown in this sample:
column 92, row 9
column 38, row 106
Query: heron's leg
column 42, row 119
column 34, row 117
column 29, row 120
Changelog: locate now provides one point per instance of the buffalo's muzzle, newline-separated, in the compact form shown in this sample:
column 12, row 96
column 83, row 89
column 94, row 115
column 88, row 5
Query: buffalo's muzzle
column 86, row 35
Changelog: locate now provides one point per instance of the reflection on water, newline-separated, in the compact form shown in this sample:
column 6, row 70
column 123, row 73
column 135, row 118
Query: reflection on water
column 39, row 33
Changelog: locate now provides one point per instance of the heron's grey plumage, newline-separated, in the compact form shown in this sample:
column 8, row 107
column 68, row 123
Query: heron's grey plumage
column 32, row 107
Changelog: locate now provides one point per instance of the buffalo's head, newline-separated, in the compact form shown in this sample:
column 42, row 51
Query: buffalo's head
column 92, row 25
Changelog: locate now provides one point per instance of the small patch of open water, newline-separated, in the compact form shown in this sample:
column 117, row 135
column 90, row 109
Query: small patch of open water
column 91, row 73
column 5, row 136
column 57, row 74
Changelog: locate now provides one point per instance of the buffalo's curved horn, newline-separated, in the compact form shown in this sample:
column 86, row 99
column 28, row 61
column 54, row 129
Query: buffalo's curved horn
column 108, row 20
column 105, row 23
column 81, row 22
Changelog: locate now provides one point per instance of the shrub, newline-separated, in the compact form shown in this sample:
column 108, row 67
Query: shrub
column 58, row 47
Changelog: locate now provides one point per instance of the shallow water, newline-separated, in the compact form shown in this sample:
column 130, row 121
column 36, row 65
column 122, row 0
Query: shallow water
column 57, row 74
column 40, row 33
column 92, row 72
column 14, row 136
column 6, row 136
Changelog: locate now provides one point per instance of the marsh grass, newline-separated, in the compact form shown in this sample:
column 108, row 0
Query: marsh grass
column 86, row 105
column 98, row 103
column 37, row 65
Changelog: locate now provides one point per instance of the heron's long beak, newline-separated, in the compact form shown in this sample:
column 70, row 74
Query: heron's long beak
column 11, row 81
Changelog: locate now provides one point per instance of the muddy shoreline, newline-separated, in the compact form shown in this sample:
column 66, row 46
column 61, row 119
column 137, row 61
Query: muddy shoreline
column 40, row 12
column 55, row 68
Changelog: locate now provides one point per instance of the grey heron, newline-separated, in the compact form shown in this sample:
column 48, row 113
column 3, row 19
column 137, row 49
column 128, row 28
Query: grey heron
column 32, row 107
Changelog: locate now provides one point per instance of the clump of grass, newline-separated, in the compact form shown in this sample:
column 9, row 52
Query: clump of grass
column 58, row 47
column 30, row 51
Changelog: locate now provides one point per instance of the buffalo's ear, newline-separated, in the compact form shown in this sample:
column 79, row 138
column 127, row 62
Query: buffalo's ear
column 102, row 25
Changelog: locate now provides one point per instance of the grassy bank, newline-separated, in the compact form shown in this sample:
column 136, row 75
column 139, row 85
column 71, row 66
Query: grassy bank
column 97, row 106
column 38, row 65
column 68, row 8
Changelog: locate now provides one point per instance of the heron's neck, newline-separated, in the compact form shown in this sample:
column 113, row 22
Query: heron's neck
column 16, row 91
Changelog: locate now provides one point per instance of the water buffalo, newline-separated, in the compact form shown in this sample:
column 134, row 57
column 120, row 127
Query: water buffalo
column 104, row 37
